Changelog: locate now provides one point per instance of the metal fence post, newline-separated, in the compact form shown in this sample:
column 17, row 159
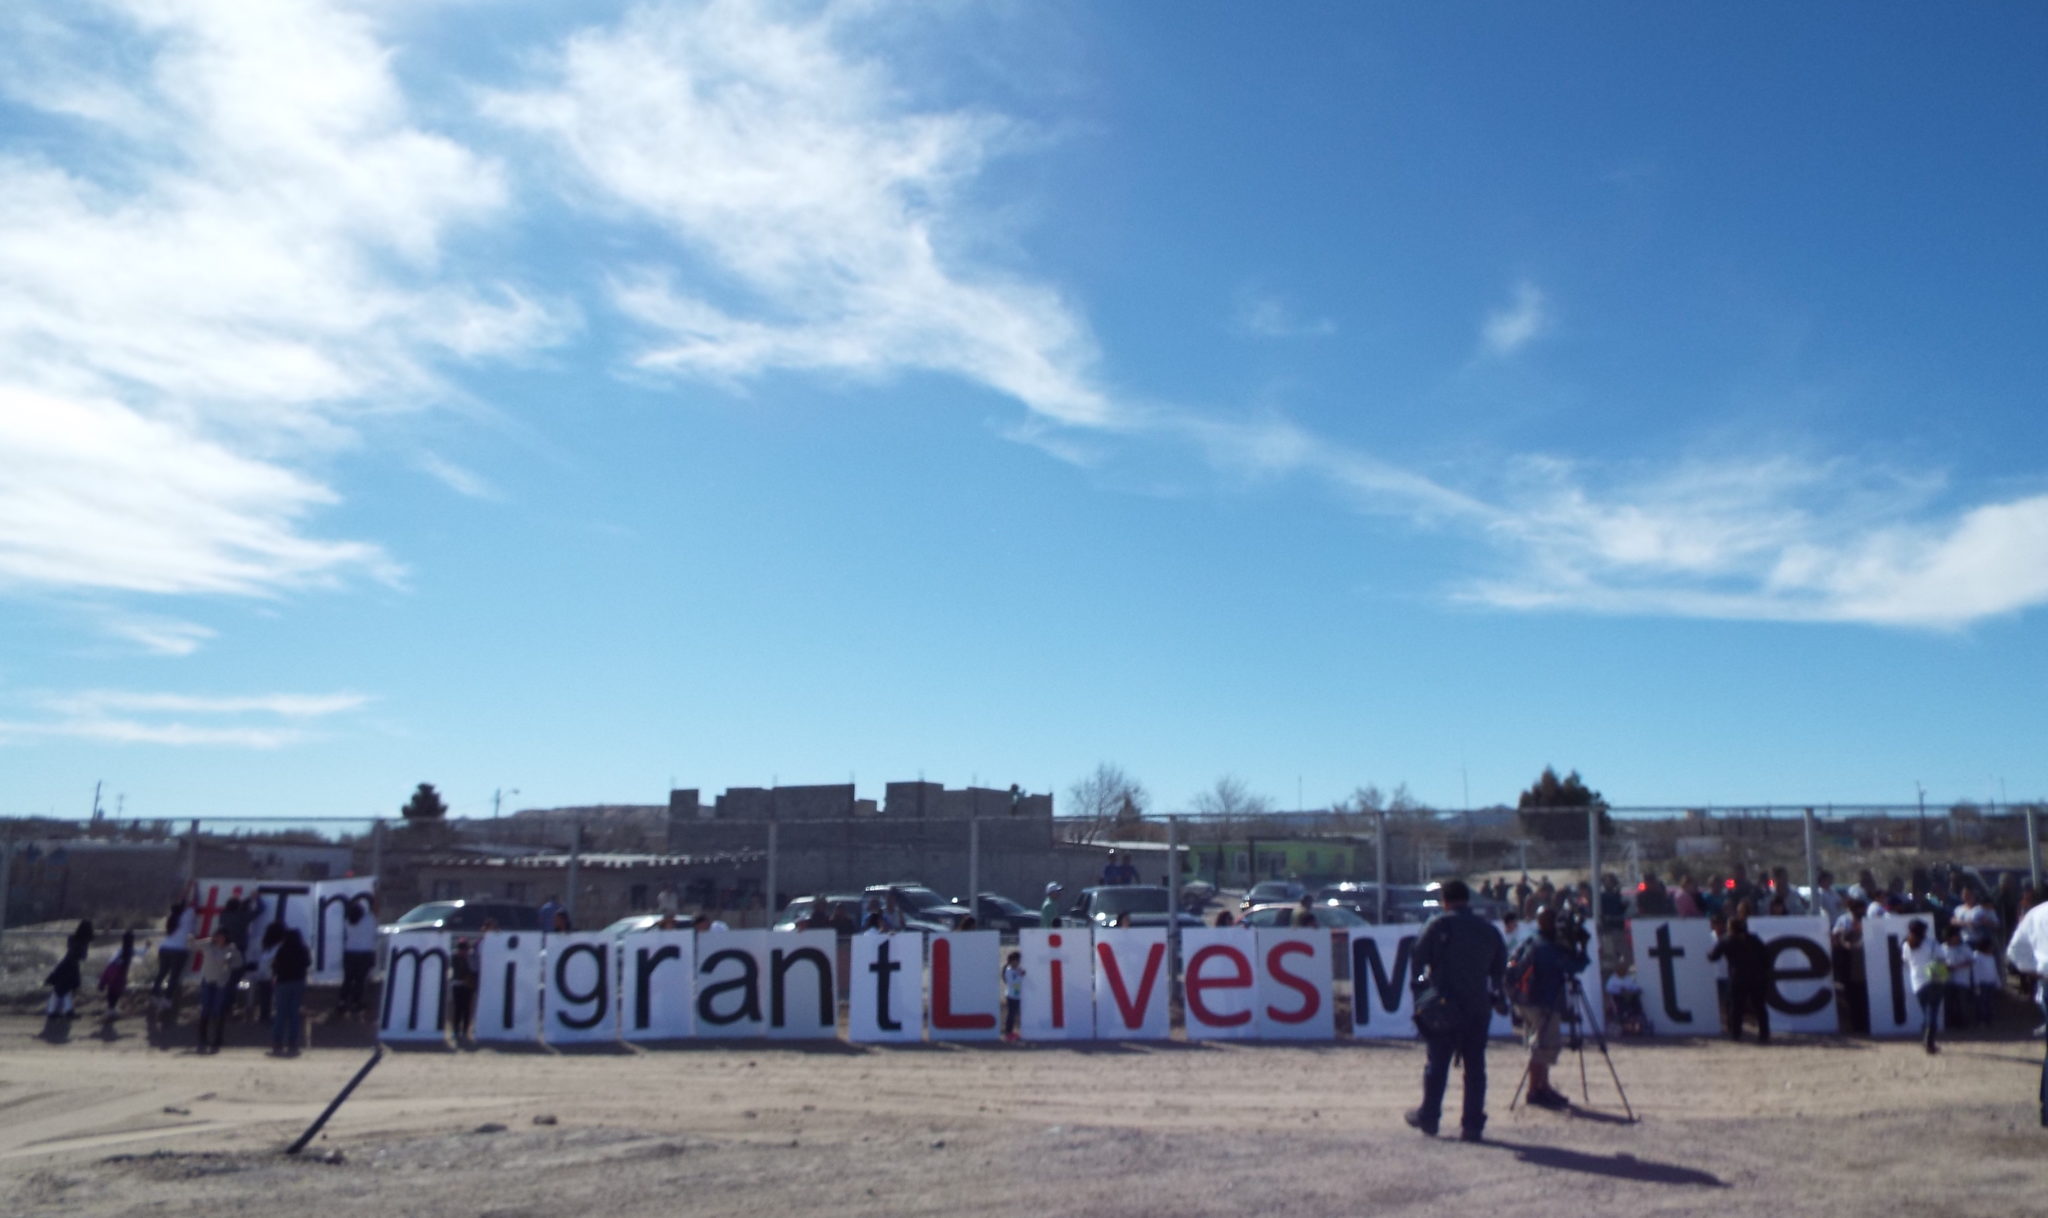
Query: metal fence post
column 1593, row 856
column 1813, row 900
column 377, row 848
column 1379, row 863
column 974, row 867
column 191, row 855
column 2034, row 844
column 774, row 869
column 7, row 869
column 575, row 870
column 1173, row 895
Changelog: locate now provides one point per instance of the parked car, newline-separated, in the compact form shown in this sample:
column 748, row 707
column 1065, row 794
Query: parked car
column 635, row 923
column 994, row 911
column 464, row 915
column 922, row 908
column 1272, row 892
column 841, row 909
column 1328, row 915
column 1405, row 902
column 1124, row 904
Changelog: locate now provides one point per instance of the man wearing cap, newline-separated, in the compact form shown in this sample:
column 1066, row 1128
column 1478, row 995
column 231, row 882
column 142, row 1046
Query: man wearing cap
column 1461, row 956
column 1049, row 913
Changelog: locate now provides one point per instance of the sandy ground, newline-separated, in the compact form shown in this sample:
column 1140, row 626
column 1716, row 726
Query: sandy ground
column 1803, row 1127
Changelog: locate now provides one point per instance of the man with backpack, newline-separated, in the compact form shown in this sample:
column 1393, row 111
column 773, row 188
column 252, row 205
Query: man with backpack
column 1538, row 986
column 1457, row 984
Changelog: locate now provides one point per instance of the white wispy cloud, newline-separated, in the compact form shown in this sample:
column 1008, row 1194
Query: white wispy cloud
column 461, row 480
column 250, row 721
column 1268, row 316
column 820, row 211
column 240, row 260
column 1513, row 327
column 159, row 636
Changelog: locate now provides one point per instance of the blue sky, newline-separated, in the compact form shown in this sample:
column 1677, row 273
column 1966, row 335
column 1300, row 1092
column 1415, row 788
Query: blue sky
column 580, row 398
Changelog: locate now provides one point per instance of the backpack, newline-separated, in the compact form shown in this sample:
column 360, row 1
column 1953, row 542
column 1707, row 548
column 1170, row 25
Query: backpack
column 1521, row 974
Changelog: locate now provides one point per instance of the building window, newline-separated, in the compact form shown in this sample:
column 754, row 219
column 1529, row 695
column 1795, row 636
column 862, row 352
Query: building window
column 637, row 897
column 515, row 890
column 446, row 890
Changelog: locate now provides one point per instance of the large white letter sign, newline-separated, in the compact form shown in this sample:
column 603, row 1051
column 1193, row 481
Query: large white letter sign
column 508, row 981
column 415, row 979
column 729, row 986
column 1802, row 990
column 1381, row 964
column 332, row 900
column 578, row 1005
column 1295, row 981
column 967, row 985
column 885, row 1000
column 1220, row 982
column 803, row 1001
column 1893, row 1009
column 1681, row 996
column 1059, row 983
column 1130, row 984
column 658, row 985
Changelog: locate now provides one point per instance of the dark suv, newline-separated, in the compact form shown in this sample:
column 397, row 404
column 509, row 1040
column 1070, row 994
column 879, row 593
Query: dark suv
column 465, row 915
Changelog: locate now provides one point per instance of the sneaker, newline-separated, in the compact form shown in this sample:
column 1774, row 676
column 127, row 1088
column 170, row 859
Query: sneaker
column 1551, row 1099
column 1414, row 1118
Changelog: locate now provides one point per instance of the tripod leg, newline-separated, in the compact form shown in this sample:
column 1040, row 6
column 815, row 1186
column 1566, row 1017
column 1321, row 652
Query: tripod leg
column 1517, row 1097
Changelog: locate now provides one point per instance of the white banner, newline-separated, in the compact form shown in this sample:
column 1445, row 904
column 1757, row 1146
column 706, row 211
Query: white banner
column 1220, row 983
column 415, row 983
column 658, row 985
column 1295, row 984
column 886, row 991
column 578, row 1002
column 315, row 910
column 803, row 999
column 328, row 935
column 1059, row 983
column 967, row 985
column 729, row 989
column 1131, row 984
column 1802, row 988
column 1894, row 1011
column 1382, row 962
column 1681, row 991
column 508, row 985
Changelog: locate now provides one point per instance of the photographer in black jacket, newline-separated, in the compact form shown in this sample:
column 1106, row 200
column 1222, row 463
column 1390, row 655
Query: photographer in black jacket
column 1460, row 957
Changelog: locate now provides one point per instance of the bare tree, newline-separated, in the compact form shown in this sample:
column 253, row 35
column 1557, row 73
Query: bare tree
column 1231, row 798
column 1105, row 802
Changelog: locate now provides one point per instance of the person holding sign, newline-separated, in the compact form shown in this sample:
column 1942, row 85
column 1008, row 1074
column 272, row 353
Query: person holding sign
column 1458, row 963
column 1926, row 976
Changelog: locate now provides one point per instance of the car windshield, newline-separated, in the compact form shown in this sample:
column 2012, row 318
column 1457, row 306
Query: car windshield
column 1130, row 900
column 1338, row 915
column 438, row 911
column 918, row 897
column 1272, row 889
column 1005, row 904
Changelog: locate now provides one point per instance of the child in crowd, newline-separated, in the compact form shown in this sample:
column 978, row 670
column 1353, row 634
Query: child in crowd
column 1625, row 1002
column 1013, row 996
column 1984, row 976
column 65, row 979
column 114, row 977
column 1926, row 975
column 264, row 980
column 1957, row 1000
column 219, row 968
column 462, row 989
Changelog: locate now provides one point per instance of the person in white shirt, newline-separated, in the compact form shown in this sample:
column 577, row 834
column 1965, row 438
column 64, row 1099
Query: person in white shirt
column 1925, row 976
column 2028, row 952
column 1984, row 982
column 1978, row 920
column 1958, row 1003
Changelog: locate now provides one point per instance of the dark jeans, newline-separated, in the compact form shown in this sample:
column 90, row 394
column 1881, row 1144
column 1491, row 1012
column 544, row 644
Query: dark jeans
column 284, row 1023
column 170, row 969
column 1930, row 996
column 1749, row 1001
column 1469, row 1041
column 1013, row 1012
column 213, row 1011
column 355, row 981
column 462, row 1001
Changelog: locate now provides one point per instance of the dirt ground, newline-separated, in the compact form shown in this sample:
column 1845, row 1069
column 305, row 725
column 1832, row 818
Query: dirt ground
column 1807, row 1126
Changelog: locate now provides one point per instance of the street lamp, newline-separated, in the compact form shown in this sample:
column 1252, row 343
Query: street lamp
column 498, row 798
